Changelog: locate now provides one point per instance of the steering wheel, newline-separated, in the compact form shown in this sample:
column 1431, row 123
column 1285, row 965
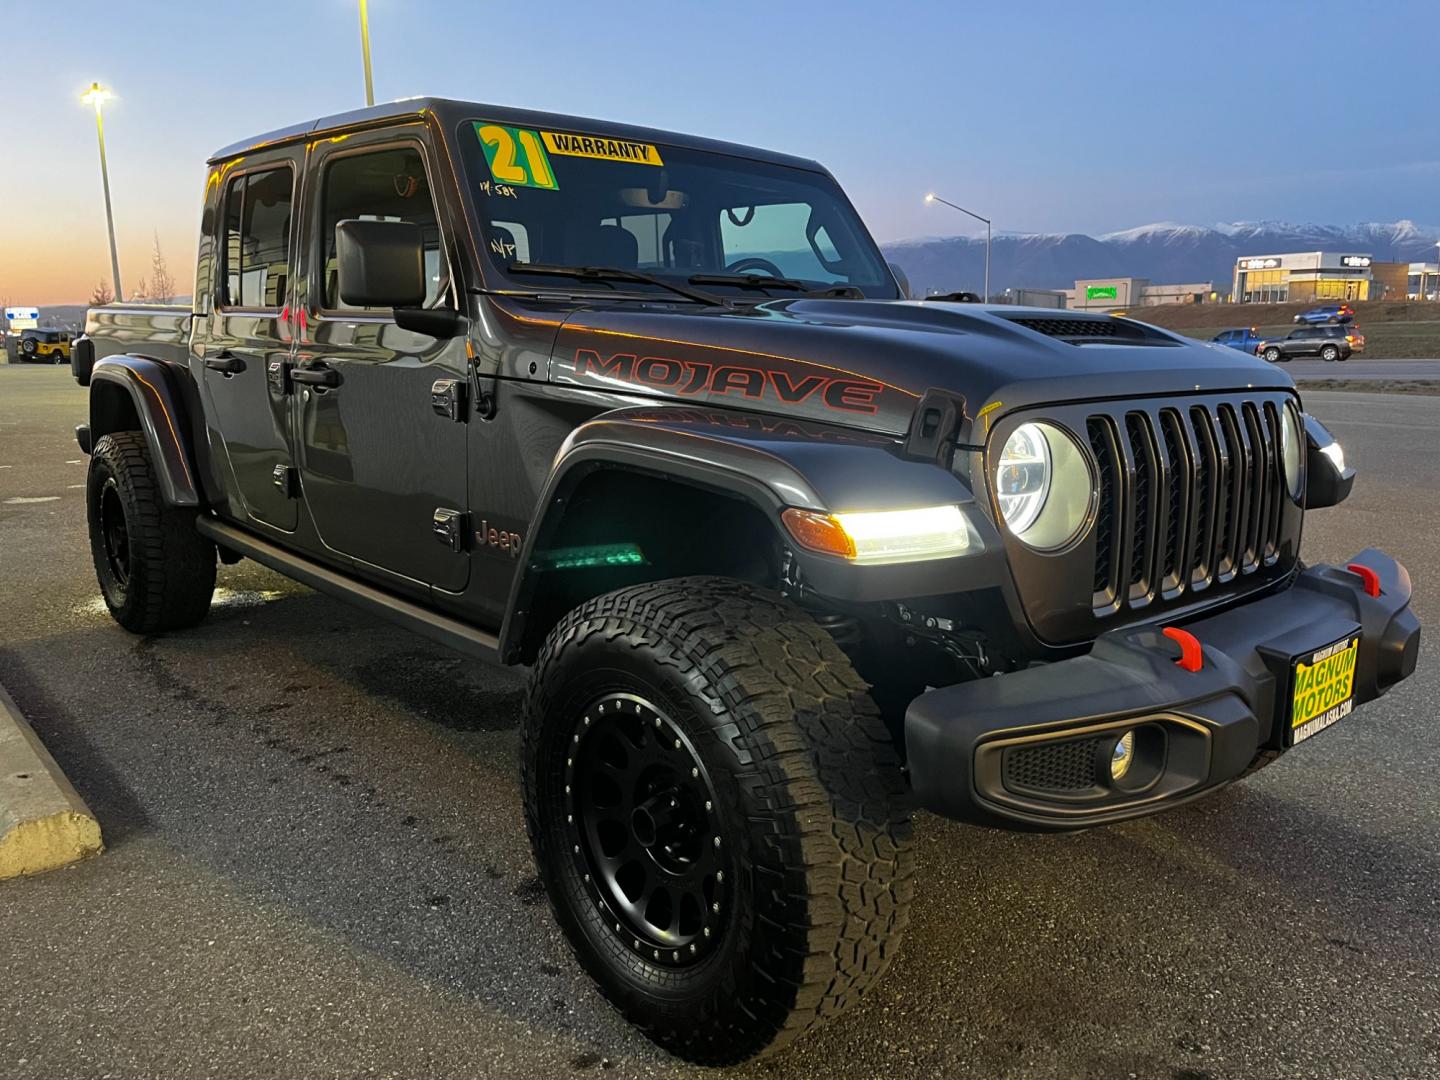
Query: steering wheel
column 755, row 264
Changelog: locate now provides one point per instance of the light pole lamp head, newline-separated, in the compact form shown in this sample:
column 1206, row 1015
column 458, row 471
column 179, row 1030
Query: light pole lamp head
column 97, row 95
column 930, row 197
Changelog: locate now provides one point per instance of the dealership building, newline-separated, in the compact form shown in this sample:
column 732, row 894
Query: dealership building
column 1307, row 275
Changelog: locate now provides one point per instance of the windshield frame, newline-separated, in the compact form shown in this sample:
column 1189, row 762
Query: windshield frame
column 472, row 170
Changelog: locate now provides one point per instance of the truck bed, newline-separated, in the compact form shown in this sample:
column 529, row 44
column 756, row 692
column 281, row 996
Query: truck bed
column 159, row 330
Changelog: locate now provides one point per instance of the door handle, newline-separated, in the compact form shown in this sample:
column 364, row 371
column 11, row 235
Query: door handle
column 318, row 375
column 226, row 363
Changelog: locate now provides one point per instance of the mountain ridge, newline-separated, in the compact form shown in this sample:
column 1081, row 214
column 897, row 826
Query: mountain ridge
column 1165, row 252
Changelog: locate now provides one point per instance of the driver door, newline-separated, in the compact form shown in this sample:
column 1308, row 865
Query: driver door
column 379, row 467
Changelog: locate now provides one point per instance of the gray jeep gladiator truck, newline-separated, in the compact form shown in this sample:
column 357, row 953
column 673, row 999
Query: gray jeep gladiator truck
column 786, row 554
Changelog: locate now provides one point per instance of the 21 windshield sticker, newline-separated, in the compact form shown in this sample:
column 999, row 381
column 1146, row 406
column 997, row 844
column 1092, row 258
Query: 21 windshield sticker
column 516, row 158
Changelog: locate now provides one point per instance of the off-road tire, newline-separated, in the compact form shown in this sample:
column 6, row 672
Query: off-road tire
column 813, row 810
column 168, row 575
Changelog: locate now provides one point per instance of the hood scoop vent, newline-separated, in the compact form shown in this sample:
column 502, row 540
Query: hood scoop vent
column 1089, row 331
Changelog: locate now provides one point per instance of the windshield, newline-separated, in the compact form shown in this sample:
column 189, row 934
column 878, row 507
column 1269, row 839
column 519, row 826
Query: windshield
column 559, row 199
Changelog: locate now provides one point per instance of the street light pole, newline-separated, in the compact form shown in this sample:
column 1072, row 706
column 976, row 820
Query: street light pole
column 932, row 197
column 98, row 95
column 365, row 48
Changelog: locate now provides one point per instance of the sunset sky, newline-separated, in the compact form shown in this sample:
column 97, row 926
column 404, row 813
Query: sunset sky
column 1051, row 117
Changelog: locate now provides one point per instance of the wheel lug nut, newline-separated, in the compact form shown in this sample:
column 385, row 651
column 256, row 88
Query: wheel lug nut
column 602, row 706
column 577, row 849
column 719, row 875
column 713, row 907
column 677, row 744
column 707, row 931
column 717, row 842
column 657, row 953
column 676, row 954
column 569, row 819
column 694, row 774
column 692, row 946
column 707, row 804
column 657, row 721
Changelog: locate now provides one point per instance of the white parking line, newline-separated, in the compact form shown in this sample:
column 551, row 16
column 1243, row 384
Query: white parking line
column 21, row 499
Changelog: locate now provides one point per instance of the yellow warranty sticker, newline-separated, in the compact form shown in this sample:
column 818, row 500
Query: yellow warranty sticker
column 606, row 149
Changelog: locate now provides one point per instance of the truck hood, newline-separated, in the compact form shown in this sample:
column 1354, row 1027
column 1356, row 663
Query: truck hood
column 866, row 363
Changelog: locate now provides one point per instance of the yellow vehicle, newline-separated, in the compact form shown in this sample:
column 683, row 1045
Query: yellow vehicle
column 45, row 345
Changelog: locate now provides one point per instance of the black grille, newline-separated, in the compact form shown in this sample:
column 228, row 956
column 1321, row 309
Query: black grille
column 1188, row 498
column 1057, row 766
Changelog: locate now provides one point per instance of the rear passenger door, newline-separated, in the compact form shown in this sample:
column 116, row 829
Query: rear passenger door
column 379, row 467
column 248, row 338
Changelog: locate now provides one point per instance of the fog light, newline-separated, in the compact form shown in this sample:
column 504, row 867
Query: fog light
column 1122, row 755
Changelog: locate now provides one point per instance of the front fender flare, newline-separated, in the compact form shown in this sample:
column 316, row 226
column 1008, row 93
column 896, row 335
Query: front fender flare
column 772, row 463
column 149, row 385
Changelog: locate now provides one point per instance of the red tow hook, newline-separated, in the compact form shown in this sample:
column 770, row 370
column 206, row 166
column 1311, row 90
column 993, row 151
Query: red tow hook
column 1191, row 656
column 1368, row 576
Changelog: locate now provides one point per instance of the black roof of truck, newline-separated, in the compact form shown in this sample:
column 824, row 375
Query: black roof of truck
column 450, row 112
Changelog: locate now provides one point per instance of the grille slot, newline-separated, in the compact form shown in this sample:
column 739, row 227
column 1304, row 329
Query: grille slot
column 1189, row 498
column 1073, row 328
column 1053, row 767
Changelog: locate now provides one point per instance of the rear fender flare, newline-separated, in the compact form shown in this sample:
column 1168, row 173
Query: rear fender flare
column 129, row 390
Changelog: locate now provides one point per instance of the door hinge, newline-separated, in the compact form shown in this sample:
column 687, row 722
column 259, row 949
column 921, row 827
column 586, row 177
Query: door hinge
column 449, row 527
column 287, row 479
column 447, row 398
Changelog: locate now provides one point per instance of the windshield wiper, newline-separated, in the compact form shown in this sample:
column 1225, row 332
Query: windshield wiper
column 617, row 273
column 749, row 281
column 764, row 281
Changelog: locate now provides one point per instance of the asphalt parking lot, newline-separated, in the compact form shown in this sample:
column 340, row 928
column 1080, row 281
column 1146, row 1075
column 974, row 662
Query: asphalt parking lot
column 317, row 865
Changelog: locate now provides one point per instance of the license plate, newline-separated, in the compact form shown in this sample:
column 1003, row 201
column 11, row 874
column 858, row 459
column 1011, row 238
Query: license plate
column 1323, row 688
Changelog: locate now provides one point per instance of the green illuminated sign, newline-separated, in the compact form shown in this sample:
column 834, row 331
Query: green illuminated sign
column 1100, row 292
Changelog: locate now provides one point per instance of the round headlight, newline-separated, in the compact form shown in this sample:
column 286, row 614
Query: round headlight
column 1291, row 442
column 1044, row 485
column 1022, row 480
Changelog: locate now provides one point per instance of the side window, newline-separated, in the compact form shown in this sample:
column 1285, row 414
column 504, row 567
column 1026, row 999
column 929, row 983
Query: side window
column 256, row 250
column 385, row 185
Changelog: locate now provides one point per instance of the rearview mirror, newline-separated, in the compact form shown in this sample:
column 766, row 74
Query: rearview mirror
column 380, row 263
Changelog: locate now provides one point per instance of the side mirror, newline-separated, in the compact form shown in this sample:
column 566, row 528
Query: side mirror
column 902, row 280
column 1328, row 479
column 380, row 263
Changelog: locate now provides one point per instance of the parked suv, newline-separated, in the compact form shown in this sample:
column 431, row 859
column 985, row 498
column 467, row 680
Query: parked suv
column 1332, row 314
column 785, row 554
column 45, row 345
column 1326, row 342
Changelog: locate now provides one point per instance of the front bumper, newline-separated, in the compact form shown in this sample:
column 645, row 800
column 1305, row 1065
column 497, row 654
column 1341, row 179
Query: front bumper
column 1030, row 750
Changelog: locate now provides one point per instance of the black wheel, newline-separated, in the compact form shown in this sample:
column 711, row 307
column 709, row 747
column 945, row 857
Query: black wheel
column 156, row 571
column 1329, row 354
column 717, row 812
column 1272, row 354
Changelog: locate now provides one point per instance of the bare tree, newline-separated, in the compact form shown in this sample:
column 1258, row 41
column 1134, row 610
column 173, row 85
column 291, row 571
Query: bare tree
column 141, row 293
column 102, row 295
column 162, row 285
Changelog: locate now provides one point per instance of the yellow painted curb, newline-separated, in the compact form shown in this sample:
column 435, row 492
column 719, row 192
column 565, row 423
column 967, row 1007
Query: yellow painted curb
column 44, row 824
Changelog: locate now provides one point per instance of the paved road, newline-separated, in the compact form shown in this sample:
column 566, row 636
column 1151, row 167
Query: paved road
column 317, row 864
column 1358, row 367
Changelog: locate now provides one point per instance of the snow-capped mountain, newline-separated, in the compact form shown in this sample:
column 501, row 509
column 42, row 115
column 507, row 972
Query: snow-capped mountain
column 1165, row 252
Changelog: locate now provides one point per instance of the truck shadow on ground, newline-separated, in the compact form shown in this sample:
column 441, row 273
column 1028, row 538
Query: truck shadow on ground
column 365, row 780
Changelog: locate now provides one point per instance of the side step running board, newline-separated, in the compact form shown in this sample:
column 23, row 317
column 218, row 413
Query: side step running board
column 457, row 635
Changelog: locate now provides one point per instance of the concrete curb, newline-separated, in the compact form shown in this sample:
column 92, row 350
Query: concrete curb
column 44, row 824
